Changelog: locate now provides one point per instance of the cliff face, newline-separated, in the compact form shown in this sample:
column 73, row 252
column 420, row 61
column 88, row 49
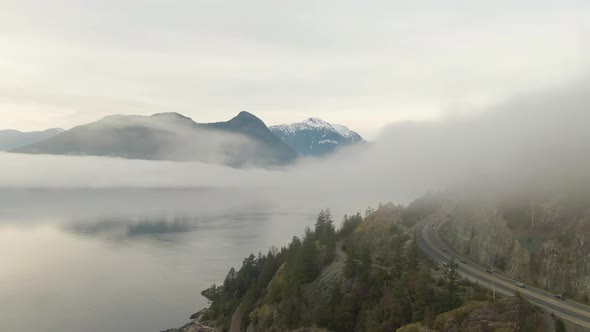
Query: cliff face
column 546, row 244
column 563, row 261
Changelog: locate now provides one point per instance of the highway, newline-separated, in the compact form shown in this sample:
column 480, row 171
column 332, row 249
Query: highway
column 430, row 243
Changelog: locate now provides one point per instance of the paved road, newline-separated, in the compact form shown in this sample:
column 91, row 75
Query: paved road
column 235, row 324
column 431, row 244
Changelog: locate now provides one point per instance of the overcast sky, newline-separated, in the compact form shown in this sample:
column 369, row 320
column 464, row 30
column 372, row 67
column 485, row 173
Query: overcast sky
column 360, row 63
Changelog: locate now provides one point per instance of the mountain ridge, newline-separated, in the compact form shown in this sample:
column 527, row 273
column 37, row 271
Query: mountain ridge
column 12, row 138
column 241, row 141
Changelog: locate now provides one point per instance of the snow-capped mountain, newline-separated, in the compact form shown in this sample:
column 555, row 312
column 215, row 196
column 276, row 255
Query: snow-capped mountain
column 315, row 137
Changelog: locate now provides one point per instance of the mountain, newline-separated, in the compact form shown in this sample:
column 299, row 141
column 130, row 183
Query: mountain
column 242, row 141
column 12, row 139
column 316, row 137
column 251, row 126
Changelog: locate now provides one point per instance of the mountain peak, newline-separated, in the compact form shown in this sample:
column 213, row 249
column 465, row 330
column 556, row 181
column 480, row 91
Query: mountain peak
column 246, row 121
column 243, row 115
column 315, row 121
column 171, row 115
column 314, row 136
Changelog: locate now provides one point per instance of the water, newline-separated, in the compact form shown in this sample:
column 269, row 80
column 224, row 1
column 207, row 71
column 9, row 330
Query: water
column 127, row 260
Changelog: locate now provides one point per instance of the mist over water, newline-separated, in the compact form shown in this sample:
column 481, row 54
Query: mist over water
column 123, row 267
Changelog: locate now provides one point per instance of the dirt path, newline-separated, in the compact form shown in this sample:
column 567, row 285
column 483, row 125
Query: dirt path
column 236, row 320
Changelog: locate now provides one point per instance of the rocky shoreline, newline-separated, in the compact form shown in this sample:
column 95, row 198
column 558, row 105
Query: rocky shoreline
column 193, row 326
column 196, row 325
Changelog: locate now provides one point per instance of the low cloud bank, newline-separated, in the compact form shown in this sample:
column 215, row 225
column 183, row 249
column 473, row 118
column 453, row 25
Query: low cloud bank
column 540, row 138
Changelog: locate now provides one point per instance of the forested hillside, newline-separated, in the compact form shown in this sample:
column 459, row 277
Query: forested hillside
column 368, row 275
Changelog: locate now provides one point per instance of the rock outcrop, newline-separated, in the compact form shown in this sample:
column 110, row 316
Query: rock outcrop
column 550, row 249
column 192, row 327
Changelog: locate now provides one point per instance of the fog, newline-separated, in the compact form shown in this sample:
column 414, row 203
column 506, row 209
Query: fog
column 538, row 136
column 162, row 136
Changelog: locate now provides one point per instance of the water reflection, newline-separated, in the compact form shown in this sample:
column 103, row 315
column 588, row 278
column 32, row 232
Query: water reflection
column 124, row 269
column 170, row 229
column 125, row 231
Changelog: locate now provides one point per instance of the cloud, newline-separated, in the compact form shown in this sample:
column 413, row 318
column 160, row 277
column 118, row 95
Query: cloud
column 74, row 62
column 539, row 138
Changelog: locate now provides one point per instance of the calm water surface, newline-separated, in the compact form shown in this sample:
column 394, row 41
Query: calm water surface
column 127, row 260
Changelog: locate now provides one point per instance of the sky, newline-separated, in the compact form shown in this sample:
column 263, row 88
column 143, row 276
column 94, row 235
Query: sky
column 362, row 64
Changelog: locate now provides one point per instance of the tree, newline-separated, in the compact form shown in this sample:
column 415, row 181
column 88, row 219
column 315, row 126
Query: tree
column 559, row 325
column 247, row 304
column 307, row 260
column 454, row 289
column 344, row 316
column 365, row 264
column 429, row 317
column 351, row 264
column 424, row 294
column 413, row 255
column 325, row 231
column 267, row 271
column 229, row 279
column 290, row 310
column 349, row 224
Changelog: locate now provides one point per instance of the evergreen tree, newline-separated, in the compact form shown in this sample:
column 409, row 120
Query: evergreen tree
column 324, row 228
column 307, row 262
column 229, row 281
column 365, row 264
column 424, row 294
column 454, row 289
column 349, row 224
column 559, row 326
column 343, row 318
column 413, row 255
column 351, row 264
column 429, row 317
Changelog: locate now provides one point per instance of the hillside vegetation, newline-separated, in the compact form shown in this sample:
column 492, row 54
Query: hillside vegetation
column 508, row 314
column 367, row 276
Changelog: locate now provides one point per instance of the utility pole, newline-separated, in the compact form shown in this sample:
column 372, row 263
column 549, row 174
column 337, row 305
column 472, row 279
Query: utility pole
column 384, row 302
column 532, row 214
column 493, row 283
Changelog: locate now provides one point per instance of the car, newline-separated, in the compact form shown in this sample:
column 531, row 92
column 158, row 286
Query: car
column 520, row 284
column 444, row 249
column 463, row 261
column 559, row 297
